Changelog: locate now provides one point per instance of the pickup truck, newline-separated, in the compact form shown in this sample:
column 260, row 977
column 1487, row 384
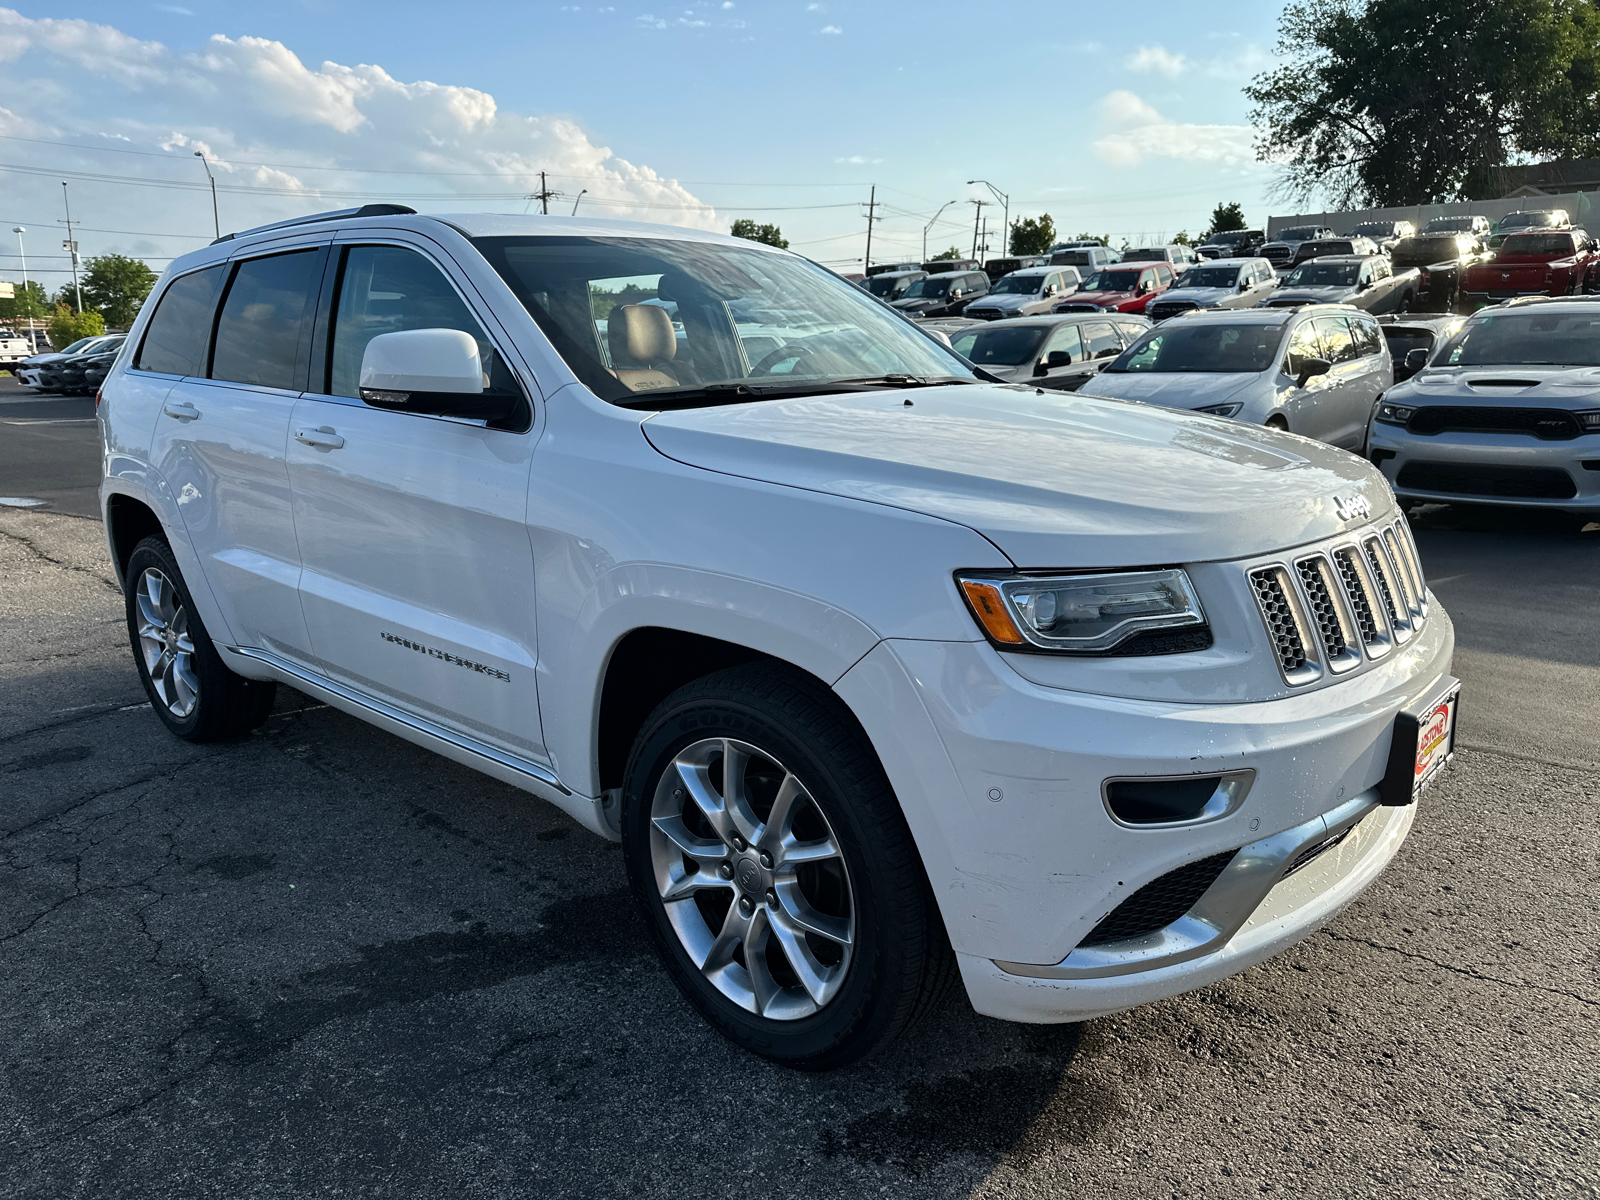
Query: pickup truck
column 13, row 347
column 1551, row 262
column 1443, row 260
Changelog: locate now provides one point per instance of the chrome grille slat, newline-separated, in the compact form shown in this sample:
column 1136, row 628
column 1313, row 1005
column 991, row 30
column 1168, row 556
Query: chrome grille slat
column 1320, row 589
column 1355, row 591
column 1378, row 562
column 1285, row 623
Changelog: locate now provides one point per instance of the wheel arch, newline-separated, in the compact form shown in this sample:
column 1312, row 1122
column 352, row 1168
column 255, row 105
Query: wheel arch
column 129, row 521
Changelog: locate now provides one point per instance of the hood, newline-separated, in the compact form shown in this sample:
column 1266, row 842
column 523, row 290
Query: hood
column 1573, row 388
column 1006, row 301
column 1095, row 299
column 1054, row 480
column 921, row 303
column 1321, row 294
column 1172, row 389
column 1202, row 297
column 39, row 360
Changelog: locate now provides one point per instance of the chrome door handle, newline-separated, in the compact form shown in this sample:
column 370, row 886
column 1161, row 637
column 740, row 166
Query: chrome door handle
column 323, row 437
column 183, row 410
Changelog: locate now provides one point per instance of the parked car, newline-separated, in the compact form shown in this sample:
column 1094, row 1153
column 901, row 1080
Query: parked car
column 1506, row 412
column 1124, row 288
column 1364, row 281
column 1329, row 247
column 1408, row 332
column 1554, row 262
column 1313, row 371
column 891, row 286
column 943, row 266
column 80, row 374
column 1526, row 222
column 1058, row 352
column 1477, row 227
column 1221, row 283
column 41, row 372
column 13, row 347
column 1177, row 257
column 877, row 269
column 1385, row 233
column 945, row 295
column 1086, row 259
column 1442, row 260
column 1232, row 243
column 1025, row 293
column 1042, row 689
column 999, row 268
column 1280, row 251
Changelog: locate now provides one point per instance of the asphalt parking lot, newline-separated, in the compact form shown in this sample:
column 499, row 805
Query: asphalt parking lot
column 320, row 961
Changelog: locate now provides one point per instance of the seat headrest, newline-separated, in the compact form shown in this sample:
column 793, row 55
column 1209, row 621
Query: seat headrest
column 640, row 335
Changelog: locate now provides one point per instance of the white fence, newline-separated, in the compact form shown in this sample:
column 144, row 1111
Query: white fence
column 1583, row 206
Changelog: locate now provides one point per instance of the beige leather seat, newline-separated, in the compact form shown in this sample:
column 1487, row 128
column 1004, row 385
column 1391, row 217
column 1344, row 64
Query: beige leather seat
column 643, row 346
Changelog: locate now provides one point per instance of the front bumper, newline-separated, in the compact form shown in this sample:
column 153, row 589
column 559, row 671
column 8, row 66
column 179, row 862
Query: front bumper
column 1000, row 779
column 30, row 377
column 1488, row 468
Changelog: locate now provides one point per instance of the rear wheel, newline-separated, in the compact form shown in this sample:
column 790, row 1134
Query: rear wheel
column 192, row 690
column 1277, row 421
column 776, row 871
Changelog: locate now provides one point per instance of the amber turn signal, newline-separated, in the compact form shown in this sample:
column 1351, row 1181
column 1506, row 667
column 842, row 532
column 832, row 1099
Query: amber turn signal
column 990, row 609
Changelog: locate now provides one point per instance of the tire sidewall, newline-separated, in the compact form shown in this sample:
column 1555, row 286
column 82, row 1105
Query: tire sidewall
column 153, row 552
column 852, row 1014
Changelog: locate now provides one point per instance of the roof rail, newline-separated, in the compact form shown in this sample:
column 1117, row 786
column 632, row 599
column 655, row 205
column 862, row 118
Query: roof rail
column 366, row 210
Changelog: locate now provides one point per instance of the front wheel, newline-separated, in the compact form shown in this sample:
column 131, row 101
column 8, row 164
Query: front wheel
column 191, row 689
column 776, row 871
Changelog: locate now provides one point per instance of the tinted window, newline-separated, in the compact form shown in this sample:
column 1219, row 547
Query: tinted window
column 385, row 289
column 1368, row 338
column 1205, row 348
column 1539, row 243
column 1068, row 339
column 1099, row 337
column 1000, row 345
column 175, row 342
column 1303, row 344
column 1337, row 339
column 1557, row 338
column 258, row 334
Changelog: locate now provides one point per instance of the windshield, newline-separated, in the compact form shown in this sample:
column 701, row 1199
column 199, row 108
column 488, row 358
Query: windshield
column 1111, row 281
column 691, row 319
column 1530, row 338
column 1537, row 243
column 1231, row 238
column 1420, row 251
column 1373, row 229
column 1075, row 258
column 1156, row 255
column 1442, row 224
column 925, row 289
column 890, row 287
column 1303, row 233
column 1528, row 220
column 1321, row 274
column 1006, row 346
column 1018, row 285
column 77, row 345
column 1211, row 277
column 1206, row 349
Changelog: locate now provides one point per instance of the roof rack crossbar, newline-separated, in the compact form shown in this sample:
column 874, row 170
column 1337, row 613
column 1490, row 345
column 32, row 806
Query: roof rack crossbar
column 366, row 210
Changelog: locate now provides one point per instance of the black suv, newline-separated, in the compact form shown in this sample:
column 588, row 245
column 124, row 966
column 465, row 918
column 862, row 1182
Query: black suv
column 1232, row 243
column 943, row 295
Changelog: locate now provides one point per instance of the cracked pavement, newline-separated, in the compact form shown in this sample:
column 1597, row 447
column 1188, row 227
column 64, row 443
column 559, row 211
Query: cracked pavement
column 319, row 961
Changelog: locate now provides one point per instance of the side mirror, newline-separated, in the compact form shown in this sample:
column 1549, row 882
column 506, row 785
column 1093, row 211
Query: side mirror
column 1416, row 359
column 436, row 372
column 1058, row 358
column 1244, row 285
column 1310, row 368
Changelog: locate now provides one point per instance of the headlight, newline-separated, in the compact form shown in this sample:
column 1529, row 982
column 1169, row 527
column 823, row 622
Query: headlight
column 1590, row 420
column 1222, row 410
column 1080, row 614
column 1395, row 414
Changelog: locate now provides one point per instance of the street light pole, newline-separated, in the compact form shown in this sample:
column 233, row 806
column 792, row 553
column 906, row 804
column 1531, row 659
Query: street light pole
column 23, row 252
column 581, row 195
column 72, row 247
column 1005, row 204
column 216, row 224
column 929, row 226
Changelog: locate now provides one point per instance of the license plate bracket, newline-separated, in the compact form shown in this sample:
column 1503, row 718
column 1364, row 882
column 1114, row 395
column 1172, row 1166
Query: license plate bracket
column 1424, row 742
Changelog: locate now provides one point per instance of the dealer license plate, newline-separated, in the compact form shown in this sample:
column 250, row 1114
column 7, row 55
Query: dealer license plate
column 1424, row 741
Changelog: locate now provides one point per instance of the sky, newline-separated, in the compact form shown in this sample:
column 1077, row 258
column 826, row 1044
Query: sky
column 689, row 114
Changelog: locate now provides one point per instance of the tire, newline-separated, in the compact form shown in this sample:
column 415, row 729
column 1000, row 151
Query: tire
column 1277, row 421
column 191, row 689
column 876, row 956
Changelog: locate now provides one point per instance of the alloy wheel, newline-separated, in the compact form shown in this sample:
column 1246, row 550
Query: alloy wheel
column 752, row 879
column 165, row 643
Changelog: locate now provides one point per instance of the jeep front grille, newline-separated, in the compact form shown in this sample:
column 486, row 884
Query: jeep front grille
column 1346, row 603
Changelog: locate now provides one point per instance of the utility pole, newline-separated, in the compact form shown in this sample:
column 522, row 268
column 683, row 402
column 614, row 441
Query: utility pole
column 544, row 195
column 71, row 247
column 872, row 207
column 216, row 223
column 977, row 214
column 929, row 226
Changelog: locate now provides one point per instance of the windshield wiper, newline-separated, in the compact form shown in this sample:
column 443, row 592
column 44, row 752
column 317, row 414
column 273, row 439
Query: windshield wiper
column 737, row 393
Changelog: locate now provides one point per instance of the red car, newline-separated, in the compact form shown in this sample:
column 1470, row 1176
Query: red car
column 1122, row 288
column 1551, row 262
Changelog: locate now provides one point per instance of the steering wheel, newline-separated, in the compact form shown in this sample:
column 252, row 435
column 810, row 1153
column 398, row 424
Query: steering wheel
column 764, row 367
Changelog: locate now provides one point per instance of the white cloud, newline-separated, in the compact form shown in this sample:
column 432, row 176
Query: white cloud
column 1135, row 131
column 830, row 29
column 176, row 9
column 264, row 119
column 1157, row 59
column 857, row 160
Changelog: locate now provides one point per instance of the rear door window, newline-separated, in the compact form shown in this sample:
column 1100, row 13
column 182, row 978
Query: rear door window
column 1304, row 343
column 1100, row 337
column 1066, row 338
column 1337, row 339
column 180, row 331
column 264, row 319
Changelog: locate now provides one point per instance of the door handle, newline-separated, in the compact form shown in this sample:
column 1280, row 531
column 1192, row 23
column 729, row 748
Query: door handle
column 323, row 437
column 183, row 410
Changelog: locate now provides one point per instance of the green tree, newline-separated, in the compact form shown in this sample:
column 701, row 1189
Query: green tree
column 1226, row 217
column 947, row 255
column 116, row 286
column 30, row 301
column 66, row 326
column 1029, row 236
column 1182, row 238
column 1392, row 102
column 770, row 235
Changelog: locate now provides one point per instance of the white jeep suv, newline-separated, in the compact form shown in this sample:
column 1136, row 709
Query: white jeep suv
column 876, row 669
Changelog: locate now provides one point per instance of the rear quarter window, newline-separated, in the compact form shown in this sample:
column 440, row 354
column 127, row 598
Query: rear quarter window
column 177, row 337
